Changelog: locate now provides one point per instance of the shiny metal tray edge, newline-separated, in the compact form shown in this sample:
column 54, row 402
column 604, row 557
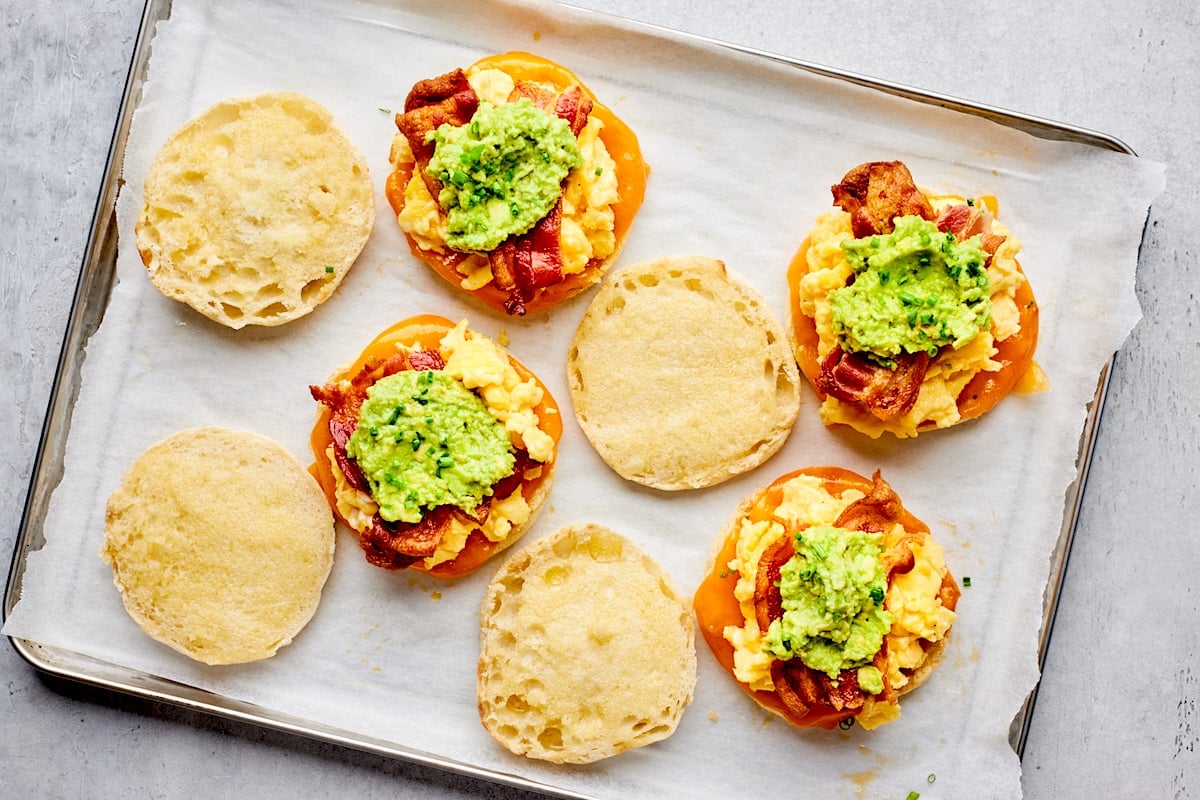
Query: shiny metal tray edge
column 88, row 305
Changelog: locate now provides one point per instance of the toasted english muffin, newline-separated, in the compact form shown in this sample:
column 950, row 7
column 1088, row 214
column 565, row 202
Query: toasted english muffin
column 220, row 543
column 586, row 649
column 255, row 210
column 681, row 376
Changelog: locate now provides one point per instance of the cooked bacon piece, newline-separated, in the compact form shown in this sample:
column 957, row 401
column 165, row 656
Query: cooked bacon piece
column 344, row 405
column 541, row 96
column 433, row 102
column 421, row 360
column 876, row 193
column 948, row 592
column 768, row 604
column 965, row 221
column 875, row 512
column 795, row 686
column 523, row 264
column 574, row 108
column 886, row 393
column 398, row 545
column 844, row 691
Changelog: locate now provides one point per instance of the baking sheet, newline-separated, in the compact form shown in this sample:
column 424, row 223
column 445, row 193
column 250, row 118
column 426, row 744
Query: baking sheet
column 743, row 153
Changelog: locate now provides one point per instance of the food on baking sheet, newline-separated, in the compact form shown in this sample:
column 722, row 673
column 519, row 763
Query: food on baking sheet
column 513, row 182
column 586, row 648
column 680, row 374
column 255, row 210
column 826, row 599
column 436, row 447
column 908, row 309
column 220, row 543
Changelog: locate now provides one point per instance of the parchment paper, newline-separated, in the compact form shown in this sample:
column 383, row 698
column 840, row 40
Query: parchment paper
column 743, row 152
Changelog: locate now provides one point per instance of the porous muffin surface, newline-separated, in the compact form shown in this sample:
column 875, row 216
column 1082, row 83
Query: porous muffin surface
column 586, row 649
column 255, row 210
column 220, row 543
column 680, row 374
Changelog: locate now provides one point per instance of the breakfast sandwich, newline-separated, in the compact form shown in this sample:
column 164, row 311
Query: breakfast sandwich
column 908, row 309
column 826, row 600
column 586, row 649
column 680, row 374
column 220, row 543
column 255, row 210
column 435, row 446
column 513, row 182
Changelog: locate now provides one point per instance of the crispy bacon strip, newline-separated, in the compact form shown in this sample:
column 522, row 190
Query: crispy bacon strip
column 965, row 221
column 574, row 108
column 875, row 512
column 768, row 604
column 539, row 95
column 523, row 264
column 431, row 103
column 885, row 393
column 876, row 193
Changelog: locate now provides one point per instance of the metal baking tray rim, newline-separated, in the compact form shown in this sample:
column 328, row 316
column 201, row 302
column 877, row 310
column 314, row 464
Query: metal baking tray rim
column 95, row 280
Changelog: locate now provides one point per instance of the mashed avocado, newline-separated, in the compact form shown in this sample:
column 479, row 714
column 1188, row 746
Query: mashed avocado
column 915, row 289
column 501, row 172
column 833, row 615
column 425, row 440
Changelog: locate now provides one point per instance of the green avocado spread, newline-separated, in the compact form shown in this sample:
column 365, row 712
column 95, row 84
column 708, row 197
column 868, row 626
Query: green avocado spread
column 425, row 440
column 501, row 172
column 915, row 289
column 833, row 616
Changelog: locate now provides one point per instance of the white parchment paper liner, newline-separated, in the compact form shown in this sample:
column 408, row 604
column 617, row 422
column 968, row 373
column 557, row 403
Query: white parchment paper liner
column 743, row 152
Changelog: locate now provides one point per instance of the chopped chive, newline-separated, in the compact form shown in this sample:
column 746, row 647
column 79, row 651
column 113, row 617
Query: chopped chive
column 385, row 110
column 913, row 796
column 966, row 580
column 329, row 270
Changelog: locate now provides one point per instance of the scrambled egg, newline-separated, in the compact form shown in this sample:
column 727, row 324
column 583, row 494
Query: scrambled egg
column 952, row 369
column 589, row 193
column 912, row 598
column 480, row 365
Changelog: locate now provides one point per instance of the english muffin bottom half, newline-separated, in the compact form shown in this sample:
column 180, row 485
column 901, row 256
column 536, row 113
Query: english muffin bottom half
column 586, row 649
column 220, row 543
column 680, row 375
column 255, row 210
